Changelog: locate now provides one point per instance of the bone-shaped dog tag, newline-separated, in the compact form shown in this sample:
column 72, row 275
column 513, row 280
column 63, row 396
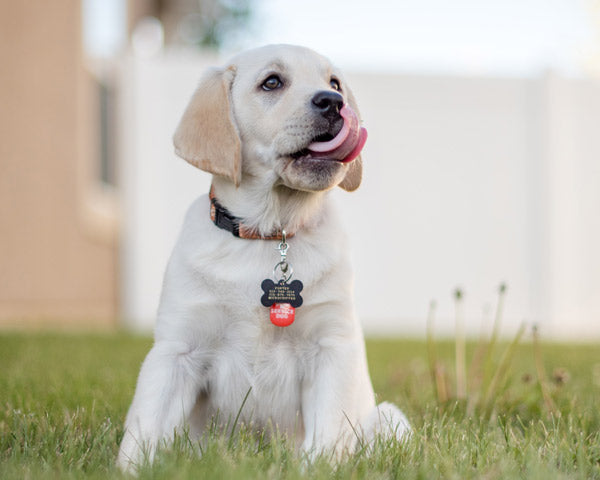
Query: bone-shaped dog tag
column 281, row 292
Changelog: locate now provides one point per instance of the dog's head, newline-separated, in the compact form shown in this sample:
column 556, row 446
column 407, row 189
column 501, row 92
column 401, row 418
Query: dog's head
column 280, row 112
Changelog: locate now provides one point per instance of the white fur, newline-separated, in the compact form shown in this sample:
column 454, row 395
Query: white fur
column 214, row 342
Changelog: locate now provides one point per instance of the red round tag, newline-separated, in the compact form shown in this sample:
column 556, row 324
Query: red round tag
column 282, row 314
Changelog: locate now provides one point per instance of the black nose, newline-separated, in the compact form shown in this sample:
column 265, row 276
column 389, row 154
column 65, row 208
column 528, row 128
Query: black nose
column 328, row 103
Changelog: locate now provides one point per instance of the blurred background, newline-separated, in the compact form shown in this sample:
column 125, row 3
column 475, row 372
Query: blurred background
column 482, row 165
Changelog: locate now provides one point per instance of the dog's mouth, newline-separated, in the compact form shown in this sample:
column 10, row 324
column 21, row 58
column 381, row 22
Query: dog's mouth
column 324, row 137
column 343, row 146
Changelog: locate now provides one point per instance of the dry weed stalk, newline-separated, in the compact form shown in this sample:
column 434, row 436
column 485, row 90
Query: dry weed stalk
column 486, row 379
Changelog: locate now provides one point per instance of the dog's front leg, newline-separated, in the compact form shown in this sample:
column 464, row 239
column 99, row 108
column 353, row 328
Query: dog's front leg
column 169, row 382
column 328, row 401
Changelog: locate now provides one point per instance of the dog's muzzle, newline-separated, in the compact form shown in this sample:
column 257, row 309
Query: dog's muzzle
column 347, row 144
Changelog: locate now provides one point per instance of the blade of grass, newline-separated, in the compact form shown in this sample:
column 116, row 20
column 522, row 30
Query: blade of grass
column 459, row 347
column 489, row 353
column 541, row 372
column 499, row 376
column 431, row 352
column 475, row 372
column 237, row 417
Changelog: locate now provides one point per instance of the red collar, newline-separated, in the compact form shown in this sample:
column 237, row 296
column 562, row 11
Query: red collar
column 222, row 218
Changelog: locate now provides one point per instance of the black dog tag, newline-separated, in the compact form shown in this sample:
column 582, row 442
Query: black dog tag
column 281, row 292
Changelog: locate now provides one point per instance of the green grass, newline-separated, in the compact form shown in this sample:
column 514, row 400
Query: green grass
column 63, row 399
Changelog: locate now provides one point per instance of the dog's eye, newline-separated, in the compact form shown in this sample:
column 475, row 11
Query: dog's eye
column 273, row 82
column 335, row 84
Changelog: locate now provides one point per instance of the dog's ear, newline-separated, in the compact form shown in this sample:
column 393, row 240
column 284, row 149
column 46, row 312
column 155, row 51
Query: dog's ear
column 354, row 175
column 207, row 135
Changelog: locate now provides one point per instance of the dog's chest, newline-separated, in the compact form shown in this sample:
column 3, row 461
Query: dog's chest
column 267, row 371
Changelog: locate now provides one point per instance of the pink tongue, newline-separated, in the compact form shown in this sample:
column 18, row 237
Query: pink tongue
column 347, row 144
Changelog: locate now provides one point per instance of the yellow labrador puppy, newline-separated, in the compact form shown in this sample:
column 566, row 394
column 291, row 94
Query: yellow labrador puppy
column 278, row 128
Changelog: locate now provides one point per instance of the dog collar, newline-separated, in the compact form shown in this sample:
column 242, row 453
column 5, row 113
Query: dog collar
column 222, row 218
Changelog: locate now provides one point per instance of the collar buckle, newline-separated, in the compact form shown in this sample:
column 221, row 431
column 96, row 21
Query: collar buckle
column 223, row 219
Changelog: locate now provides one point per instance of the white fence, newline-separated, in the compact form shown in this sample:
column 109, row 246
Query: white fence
column 468, row 182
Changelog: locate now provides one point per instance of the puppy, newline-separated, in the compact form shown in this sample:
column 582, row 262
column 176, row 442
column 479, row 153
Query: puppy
column 278, row 128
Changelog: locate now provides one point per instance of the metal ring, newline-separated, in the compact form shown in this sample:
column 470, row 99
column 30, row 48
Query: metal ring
column 285, row 274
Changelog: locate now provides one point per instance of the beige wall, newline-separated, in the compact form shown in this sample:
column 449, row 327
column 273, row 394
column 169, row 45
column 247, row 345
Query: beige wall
column 57, row 252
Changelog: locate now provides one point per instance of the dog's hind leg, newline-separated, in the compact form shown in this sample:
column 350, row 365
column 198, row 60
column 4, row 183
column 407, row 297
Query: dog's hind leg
column 171, row 377
column 385, row 420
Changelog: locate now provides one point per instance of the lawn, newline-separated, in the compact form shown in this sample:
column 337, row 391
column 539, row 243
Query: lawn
column 63, row 398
